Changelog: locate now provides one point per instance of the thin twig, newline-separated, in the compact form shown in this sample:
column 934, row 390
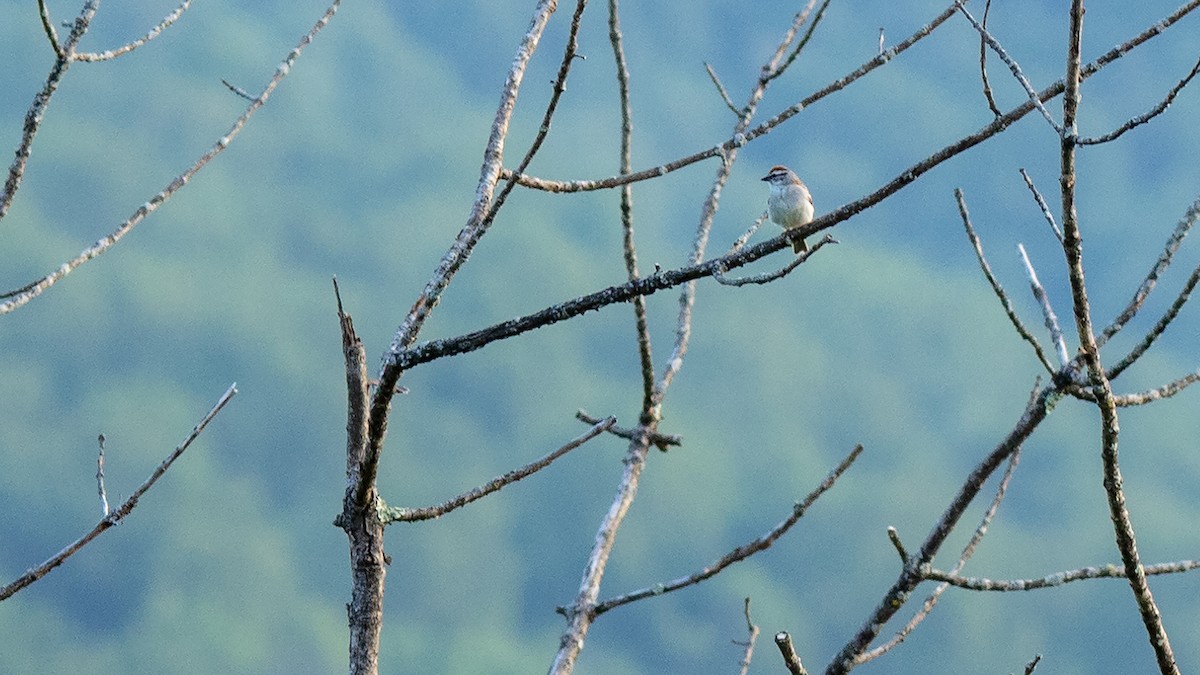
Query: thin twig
column 741, row 552
column 663, row 442
column 1013, row 66
column 37, row 110
column 153, row 33
column 768, row 277
column 968, row 551
column 628, row 244
column 122, row 511
column 751, row 638
column 1153, row 334
column 1182, row 228
column 33, row 289
column 1056, row 334
column 737, row 141
column 995, row 283
column 391, row 514
column 1041, row 202
column 237, row 90
column 1057, row 579
column 100, row 478
column 894, row 537
column 712, row 75
column 987, row 86
column 1146, row 116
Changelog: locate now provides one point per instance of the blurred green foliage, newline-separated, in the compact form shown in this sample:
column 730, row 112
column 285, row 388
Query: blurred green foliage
column 363, row 165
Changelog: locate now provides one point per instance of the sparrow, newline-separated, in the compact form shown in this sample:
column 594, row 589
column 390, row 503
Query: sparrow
column 789, row 204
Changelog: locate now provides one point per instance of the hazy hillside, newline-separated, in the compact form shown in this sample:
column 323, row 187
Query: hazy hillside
column 363, row 165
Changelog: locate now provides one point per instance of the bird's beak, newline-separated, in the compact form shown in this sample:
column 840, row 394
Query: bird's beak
column 766, row 177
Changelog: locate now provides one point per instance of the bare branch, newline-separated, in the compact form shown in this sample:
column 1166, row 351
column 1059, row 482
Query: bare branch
column 1166, row 391
column 477, row 224
column 1146, row 116
column 390, row 514
column 894, row 537
column 752, row 637
column 983, row 76
column 122, row 511
column 740, row 553
column 967, row 552
column 1056, row 334
column 1013, row 66
column 581, row 612
column 768, row 277
column 775, row 69
column 1041, row 202
column 33, row 289
column 791, row 659
column 1126, row 538
column 910, row 576
column 738, row 140
column 995, row 284
column 153, row 33
column 100, row 478
column 628, row 246
column 37, row 110
column 48, row 28
column 1164, row 261
column 663, row 442
column 1160, row 327
column 712, row 75
column 1057, row 579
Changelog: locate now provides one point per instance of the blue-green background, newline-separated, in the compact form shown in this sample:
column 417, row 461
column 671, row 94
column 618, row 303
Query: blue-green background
column 363, row 164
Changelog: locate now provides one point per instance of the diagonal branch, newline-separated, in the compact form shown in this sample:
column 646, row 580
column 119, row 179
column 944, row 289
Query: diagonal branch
column 1164, row 261
column 1013, row 66
column 1051, row 319
column 118, row 514
column 995, row 284
column 736, row 141
column 154, row 32
column 742, row 552
column 1146, row 116
column 435, row 349
column 477, row 224
column 25, row 294
column 393, row 514
column 37, row 110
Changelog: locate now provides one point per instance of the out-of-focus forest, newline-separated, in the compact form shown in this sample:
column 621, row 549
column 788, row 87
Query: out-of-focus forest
column 363, row 165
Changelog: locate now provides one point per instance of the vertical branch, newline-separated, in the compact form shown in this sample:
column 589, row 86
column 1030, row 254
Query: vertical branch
column 581, row 613
column 359, row 517
column 1101, row 387
column 628, row 245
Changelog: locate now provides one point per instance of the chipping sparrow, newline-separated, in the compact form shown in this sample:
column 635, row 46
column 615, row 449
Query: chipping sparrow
column 789, row 204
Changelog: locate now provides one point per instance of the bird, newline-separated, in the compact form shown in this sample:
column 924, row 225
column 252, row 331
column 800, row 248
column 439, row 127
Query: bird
column 789, row 204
